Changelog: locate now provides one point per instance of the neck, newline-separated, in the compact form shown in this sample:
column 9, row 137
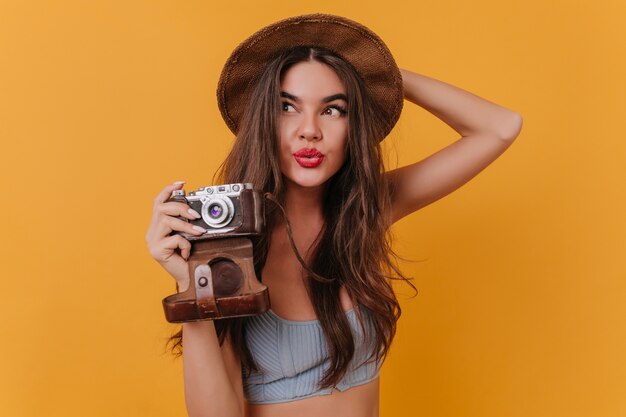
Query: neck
column 304, row 209
column 304, row 203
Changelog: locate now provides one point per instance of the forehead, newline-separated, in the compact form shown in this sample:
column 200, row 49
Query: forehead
column 311, row 79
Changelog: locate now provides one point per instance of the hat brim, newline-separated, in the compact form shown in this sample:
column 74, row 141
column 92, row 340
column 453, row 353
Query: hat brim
column 352, row 41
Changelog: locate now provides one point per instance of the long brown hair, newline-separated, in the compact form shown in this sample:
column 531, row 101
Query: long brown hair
column 354, row 248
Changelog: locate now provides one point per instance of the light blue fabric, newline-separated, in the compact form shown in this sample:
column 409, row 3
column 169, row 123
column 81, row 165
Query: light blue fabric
column 292, row 357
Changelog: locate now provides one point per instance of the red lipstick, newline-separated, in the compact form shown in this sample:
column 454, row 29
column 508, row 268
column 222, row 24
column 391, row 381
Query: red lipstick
column 308, row 157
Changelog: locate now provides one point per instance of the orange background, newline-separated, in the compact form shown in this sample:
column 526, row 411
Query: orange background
column 521, row 310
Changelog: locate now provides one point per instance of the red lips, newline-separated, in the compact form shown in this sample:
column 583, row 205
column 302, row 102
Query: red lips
column 308, row 157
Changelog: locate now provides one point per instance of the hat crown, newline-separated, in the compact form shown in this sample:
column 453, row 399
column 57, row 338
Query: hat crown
column 350, row 40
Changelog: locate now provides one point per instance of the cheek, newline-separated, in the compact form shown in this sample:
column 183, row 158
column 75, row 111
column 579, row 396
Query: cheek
column 287, row 126
column 344, row 143
column 344, row 155
column 337, row 132
column 284, row 154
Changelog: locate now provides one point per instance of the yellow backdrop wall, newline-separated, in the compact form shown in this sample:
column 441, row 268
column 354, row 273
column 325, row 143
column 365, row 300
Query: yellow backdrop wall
column 522, row 279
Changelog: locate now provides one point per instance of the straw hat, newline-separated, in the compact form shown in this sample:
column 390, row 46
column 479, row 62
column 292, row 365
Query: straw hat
column 352, row 41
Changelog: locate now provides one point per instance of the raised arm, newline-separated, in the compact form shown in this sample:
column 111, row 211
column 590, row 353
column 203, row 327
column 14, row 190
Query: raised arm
column 486, row 130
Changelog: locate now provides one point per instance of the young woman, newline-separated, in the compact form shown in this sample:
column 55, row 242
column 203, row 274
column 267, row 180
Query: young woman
column 309, row 99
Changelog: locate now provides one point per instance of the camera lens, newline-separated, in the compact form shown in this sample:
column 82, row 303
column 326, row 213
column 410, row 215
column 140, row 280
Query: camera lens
column 227, row 277
column 215, row 211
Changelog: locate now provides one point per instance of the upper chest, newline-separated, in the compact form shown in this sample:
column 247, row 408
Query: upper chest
column 284, row 276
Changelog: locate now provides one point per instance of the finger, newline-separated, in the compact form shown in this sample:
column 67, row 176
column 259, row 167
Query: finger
column 175, row 208
column 185, row 248
column 166, row 193
column 167, row 224
column 166, row 248
column 163, row 196
column 160, row 226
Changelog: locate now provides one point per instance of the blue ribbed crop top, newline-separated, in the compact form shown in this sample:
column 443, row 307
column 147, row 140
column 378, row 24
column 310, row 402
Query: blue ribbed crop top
column 292, row 356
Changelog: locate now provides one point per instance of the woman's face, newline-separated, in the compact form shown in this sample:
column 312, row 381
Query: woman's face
column 313, row 125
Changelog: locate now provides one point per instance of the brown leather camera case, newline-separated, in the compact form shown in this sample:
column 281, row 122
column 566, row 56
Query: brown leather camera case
column 205, row 299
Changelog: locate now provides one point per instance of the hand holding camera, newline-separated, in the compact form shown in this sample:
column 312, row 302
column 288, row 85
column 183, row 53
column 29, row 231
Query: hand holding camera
column 220, row 266
column 171, row 251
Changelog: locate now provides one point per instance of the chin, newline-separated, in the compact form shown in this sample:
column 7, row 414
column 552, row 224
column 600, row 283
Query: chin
column 311, row 178
column 305, row 181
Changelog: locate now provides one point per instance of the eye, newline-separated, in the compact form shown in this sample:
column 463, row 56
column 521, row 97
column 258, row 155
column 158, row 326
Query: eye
column 287, row 107
column 335, row 111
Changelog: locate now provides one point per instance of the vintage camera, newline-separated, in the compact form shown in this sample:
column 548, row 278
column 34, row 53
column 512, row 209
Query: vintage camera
column 222, row 281
column 226, row 210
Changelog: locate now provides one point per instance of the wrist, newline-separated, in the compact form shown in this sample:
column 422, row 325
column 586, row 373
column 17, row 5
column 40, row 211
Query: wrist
column 182, row 285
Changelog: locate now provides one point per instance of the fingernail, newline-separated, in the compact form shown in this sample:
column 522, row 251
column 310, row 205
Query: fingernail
column 179, row 182
column 194, row 213
column 199, row 229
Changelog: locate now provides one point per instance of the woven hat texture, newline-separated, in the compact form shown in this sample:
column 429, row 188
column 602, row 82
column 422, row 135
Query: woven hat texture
column 352, row 41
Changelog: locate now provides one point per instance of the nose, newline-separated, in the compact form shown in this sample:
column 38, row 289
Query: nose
column 309, row 129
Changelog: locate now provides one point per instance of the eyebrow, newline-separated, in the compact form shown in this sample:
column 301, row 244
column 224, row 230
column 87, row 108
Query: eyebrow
column 328, row 99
